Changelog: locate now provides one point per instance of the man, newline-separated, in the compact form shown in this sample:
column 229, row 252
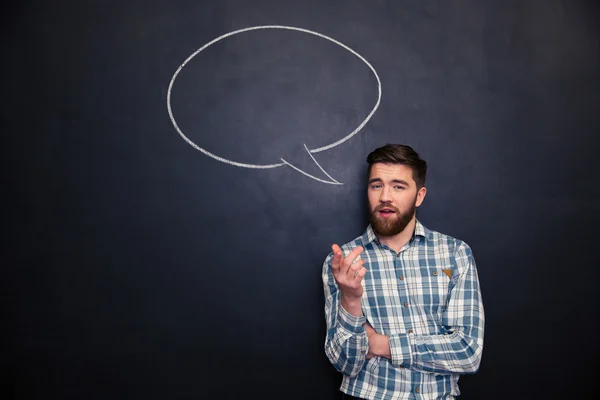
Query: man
column 402, row 303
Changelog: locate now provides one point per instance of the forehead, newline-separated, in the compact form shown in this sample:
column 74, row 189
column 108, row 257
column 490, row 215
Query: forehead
column 389, row 172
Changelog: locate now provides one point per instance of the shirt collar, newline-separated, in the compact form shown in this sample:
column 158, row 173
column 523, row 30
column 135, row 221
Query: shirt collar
column 369, row 236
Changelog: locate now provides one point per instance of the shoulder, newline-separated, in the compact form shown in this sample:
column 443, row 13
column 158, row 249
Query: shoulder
column 446, row 243
column 351, row 245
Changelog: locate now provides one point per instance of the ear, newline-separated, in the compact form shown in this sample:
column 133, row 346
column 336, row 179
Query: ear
column 420, row 196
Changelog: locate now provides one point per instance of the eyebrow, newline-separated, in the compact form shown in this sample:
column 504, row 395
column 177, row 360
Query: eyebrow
column 400, row 181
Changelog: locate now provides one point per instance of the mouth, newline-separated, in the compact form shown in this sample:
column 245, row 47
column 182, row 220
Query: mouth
column 386, row 212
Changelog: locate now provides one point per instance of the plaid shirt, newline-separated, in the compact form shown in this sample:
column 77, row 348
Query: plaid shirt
column 427, row 300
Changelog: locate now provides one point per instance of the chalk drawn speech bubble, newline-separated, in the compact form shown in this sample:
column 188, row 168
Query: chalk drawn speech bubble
column 283, row 161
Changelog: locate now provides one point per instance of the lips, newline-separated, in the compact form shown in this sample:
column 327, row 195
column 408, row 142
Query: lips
column 386, row 211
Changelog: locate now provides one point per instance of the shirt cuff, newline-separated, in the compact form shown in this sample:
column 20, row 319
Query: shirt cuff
column 400, row 349
column 351, row 323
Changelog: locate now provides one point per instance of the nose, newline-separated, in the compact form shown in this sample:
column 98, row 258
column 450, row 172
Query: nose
column 385, row 196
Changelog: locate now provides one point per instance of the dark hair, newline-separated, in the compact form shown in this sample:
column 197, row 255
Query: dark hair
column 400, row 154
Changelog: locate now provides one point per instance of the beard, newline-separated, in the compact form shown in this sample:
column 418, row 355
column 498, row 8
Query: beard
column 391, row 226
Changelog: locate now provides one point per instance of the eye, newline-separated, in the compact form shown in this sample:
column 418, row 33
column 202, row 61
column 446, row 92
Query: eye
column 376, row 186
column 398, row 187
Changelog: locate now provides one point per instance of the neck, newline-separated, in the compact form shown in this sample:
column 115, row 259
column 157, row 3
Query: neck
column 398, row 241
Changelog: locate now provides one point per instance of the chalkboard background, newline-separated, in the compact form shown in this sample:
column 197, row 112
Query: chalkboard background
column 137, row 267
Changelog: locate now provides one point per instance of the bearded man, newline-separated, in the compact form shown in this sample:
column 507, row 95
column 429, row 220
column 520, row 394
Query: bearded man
column 403, row 305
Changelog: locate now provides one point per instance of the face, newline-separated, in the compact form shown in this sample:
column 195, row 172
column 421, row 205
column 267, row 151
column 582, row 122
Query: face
column 393, row 198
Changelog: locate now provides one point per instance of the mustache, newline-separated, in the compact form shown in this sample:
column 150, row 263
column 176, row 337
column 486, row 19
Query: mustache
column 386, row 205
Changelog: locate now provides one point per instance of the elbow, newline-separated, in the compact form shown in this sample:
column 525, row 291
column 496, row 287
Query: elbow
column 348, row 366
column 472, row 368
column 473, row 362
column 351, row 370
column 352, row 374
column 332, row 356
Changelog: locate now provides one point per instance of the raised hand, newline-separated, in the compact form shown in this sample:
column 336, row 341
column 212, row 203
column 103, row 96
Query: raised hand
column 349, row 273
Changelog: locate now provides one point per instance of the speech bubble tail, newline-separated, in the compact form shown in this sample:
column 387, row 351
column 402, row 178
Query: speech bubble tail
column 313, row 173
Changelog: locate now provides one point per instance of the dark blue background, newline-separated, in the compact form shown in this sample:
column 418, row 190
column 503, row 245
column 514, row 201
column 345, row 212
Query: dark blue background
column 136, row 267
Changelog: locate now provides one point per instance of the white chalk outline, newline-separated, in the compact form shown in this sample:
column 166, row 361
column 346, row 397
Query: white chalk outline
column 311, row 176
column 317, row 150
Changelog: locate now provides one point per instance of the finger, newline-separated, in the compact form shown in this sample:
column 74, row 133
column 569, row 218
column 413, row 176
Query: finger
column 338, row 258
column 336, row 249
column 352, row 258
column 353, row 255
column 355, row 274
column 354, row 268
column 360, row 274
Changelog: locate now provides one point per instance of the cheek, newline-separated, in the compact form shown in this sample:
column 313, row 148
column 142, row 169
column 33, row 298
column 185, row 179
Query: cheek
column 373, row 201
column 405, row 202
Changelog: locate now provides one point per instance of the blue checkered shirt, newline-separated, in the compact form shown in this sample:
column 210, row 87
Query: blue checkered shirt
column 427, row 300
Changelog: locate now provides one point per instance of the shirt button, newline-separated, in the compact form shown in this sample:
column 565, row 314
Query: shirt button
column 417, row 390
column 410, row 331
column 434, row 273
column 401, row 277
column 405, row 304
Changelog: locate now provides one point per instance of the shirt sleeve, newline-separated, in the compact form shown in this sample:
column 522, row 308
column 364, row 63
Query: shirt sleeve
column 460, row 348
column 346, row 343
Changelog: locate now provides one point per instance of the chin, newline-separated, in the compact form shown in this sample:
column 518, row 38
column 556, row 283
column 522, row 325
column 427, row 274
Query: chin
column 389, row 226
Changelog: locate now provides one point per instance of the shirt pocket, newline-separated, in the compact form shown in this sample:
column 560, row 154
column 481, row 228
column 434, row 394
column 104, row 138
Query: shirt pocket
column 429, row 288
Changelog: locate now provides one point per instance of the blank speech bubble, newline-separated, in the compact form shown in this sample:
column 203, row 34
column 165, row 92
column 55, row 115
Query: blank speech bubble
column 309, row 151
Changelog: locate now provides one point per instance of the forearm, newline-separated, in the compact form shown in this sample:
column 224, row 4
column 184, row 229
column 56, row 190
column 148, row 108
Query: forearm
column 346, row 344
column 455, row 353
